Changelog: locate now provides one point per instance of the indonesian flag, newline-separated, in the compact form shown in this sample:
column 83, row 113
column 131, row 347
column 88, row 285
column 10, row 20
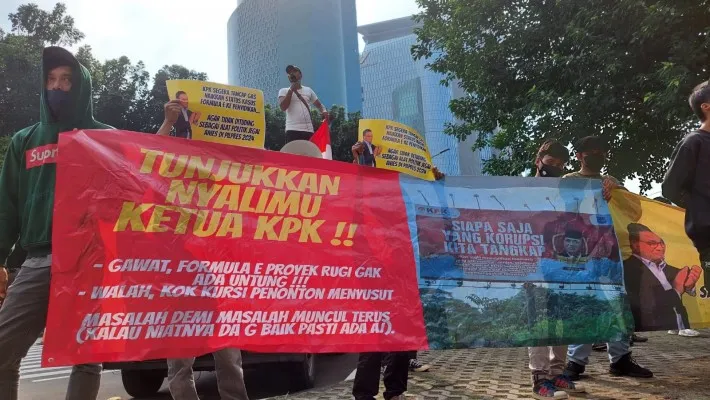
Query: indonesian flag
column 321, row 138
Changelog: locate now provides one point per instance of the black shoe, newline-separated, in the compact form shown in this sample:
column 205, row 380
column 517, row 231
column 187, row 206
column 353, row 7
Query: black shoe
column 627, row 366
column 573, row 371
column 637, row 338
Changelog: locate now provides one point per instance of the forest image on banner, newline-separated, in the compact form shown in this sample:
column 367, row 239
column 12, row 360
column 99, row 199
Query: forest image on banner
column 508, row 262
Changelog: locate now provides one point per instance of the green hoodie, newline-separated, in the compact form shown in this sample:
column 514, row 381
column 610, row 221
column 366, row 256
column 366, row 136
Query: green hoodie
column 28, row 174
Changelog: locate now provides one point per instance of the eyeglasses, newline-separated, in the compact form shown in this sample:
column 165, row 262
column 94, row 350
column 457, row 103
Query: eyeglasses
column 655, row 244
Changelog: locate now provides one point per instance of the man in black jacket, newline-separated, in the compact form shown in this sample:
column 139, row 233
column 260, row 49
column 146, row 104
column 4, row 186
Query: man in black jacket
column 687, row 182
column 654, row 288
column 364, row 153
column 182, row 125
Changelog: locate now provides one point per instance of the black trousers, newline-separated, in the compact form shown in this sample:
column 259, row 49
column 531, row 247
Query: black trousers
column 298, row 135
column 367, row 377
column 705, row 264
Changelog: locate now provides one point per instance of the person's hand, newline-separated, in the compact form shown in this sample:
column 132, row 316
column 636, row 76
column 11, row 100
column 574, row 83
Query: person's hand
column 195, row 117
column 358, row 148
column 3, row 283
column 687, row 278
column 608, row 185
column 378, row 151
column 438, row 175
column 172, row 111
column 325, row 115
column 295, row 86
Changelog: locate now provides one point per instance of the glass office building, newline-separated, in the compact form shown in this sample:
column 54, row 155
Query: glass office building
column 319, row 36
column 398, row 88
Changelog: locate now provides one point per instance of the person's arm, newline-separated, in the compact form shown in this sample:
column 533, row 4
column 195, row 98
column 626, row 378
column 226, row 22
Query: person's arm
column 320, row 107
column 9, row 205
column 285, row 96
column 357, row 150
column 172, row 110
column 678, row 181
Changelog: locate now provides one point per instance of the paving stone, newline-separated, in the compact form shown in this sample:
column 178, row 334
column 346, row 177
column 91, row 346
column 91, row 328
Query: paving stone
column 680, row 365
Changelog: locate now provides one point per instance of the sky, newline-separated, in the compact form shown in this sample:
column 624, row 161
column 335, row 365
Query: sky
column 166, row 32
column 161, row 32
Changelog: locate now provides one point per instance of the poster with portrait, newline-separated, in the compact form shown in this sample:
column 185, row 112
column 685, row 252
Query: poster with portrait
column 665, row 284
column 513, row 261
column 395, row 147
column 213, row 112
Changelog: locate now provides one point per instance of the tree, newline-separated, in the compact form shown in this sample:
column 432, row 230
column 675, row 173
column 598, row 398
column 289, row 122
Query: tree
column 619, row 69
column 53, row 28
column 149, row 109
column 123, row 95
column 343, row 130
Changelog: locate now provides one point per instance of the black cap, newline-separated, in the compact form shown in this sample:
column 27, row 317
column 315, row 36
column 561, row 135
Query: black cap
column 590, row 143
column 290, row 68
column 573, row 234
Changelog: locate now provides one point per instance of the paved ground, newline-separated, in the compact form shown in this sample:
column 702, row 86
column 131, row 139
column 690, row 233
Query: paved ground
column 681, row 366
column 50, row 383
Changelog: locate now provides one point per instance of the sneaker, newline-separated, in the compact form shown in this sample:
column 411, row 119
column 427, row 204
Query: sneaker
column 564, row 383
column 688, row 333
column 573, row 371
column 640, row 339
column 416, row 366
column 627, row 366
column 671, row 332
column 545, row 389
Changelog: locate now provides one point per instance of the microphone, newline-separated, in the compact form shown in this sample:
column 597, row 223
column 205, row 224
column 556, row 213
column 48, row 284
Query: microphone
column 440, row 153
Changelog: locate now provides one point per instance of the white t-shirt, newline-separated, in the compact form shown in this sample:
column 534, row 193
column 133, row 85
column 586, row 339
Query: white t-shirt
column 298, row 116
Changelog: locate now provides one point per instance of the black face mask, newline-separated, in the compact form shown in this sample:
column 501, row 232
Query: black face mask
column 595, row 162
column 549, row 171
column 59, row 105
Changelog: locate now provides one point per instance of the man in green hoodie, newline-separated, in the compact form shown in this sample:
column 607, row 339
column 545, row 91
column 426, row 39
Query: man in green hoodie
column 26, row 204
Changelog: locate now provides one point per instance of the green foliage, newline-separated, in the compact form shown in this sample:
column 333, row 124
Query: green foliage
column 4, row 144
column 124, row 96
column 48, row 28
column 560, row 317
column 618, row 69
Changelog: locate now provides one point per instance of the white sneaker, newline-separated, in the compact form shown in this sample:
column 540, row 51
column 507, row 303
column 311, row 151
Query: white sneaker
column 688, row 333
column 672, row 332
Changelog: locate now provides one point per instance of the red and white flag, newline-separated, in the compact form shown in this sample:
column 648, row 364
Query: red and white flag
column 321, row 138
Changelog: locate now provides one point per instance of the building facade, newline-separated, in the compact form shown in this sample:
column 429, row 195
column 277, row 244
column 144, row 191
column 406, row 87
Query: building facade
column 318, row 36
column 398, row 88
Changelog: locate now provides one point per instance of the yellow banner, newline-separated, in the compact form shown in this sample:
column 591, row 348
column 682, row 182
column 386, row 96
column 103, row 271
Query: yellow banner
column 219, row 113
column 664, row 281
column 397, row 147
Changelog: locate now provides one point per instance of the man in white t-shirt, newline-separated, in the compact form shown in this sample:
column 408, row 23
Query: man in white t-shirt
column 296, row 101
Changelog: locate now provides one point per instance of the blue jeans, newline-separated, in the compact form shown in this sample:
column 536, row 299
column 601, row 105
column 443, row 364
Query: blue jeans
column 579, row 353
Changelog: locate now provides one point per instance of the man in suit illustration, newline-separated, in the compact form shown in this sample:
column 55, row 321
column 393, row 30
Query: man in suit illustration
column 364, row 152
column 654, row 288
column 182, row 128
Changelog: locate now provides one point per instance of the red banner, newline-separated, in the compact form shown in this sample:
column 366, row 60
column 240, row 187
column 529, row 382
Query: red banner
column 167, row 248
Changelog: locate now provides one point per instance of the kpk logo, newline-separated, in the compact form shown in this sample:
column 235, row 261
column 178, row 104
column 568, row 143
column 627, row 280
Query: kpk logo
column 41, row 155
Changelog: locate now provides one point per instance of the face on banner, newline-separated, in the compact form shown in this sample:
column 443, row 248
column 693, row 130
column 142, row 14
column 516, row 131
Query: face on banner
column 507, row 261
column 395, row 147
column 213, row 112
column 664, row 281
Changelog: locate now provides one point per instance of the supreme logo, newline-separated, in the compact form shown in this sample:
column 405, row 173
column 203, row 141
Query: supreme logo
column 41, row 155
